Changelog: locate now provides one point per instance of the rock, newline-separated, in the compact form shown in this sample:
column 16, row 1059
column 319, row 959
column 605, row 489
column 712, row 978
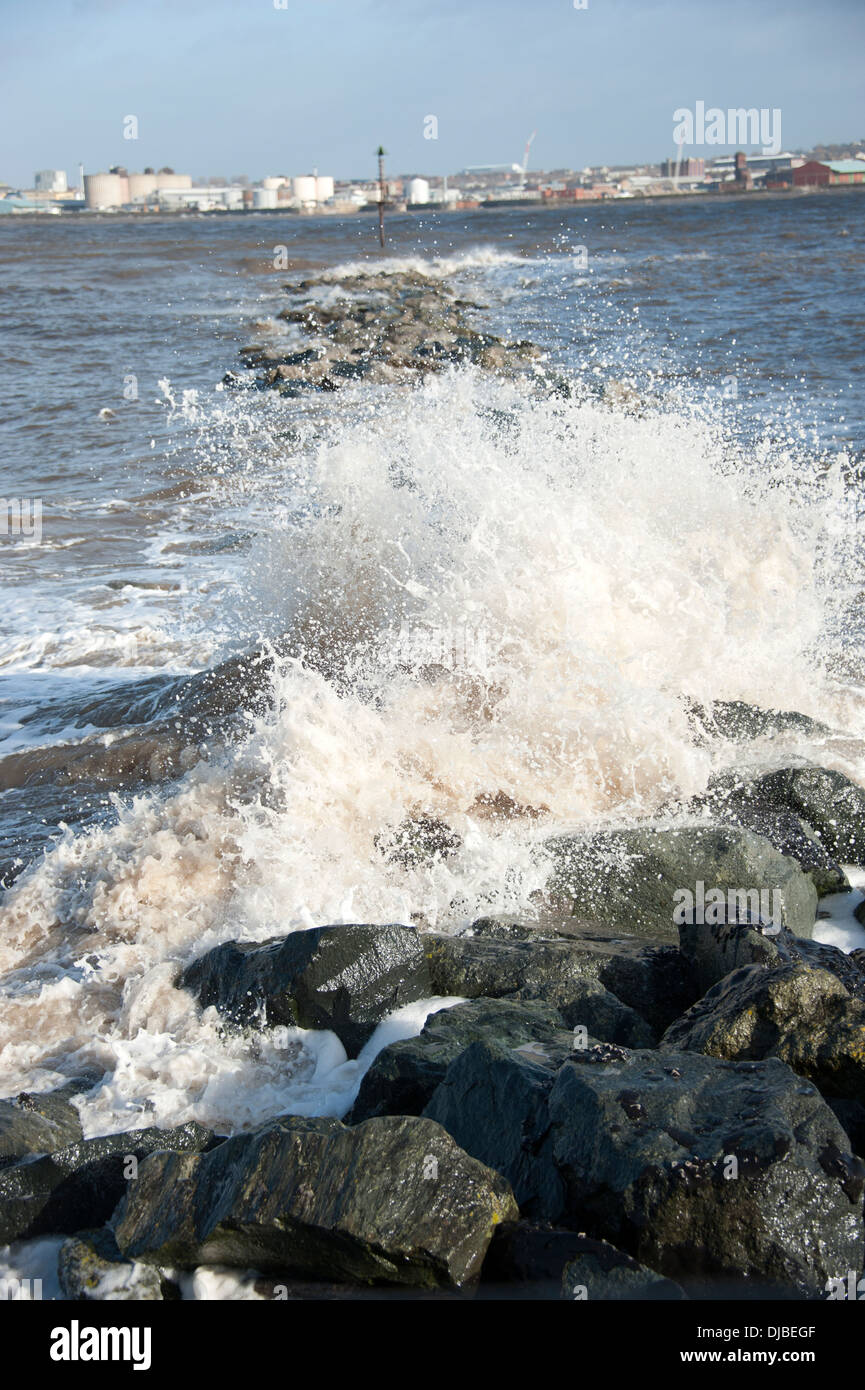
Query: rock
column 716, row 950
column 563, row 971
column 762, row 805
column 91, row 1268
column 36, row 1123
column 741, row 722
column 633, row 878
column 797, row 1012
column 591, row 1006
column 603, row 1272
column 346, row 978
column 832, row 805
column 393, row 1199
column 404, row 1076
column 546, row 1262
column 497, row 1100
column 846, row 968
column 656, row 981
column 635, row 1148
column 384, row 328
column 419, row 840
column 81, row 1184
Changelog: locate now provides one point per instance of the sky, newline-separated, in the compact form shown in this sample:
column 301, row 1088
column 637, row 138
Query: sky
column 224, row 87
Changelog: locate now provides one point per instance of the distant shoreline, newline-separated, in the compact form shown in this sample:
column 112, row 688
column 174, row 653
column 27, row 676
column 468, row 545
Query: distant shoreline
column 420, row 210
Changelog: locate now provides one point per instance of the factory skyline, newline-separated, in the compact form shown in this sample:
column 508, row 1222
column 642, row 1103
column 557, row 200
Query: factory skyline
column 165, row 190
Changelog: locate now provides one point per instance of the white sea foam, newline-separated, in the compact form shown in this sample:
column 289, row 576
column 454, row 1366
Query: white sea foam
column 615, row 563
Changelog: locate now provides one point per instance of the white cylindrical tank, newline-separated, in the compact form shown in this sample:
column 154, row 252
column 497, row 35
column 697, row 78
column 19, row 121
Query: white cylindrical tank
column 304, row 188
column 104, row 190
column 173, row 181
column 264, row 197
column 418, row 191
column 141, row 186
column 323, row 188
column 274, row 181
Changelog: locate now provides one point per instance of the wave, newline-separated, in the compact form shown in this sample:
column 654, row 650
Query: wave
column 491, row 605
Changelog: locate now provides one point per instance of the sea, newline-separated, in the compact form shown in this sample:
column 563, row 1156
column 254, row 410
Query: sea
column 664, row 512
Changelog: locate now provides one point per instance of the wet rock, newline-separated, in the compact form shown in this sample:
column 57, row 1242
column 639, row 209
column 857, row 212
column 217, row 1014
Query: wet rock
column 345, row 978
column 742, row 723
column 592, row 1007
column 393, row 1199
column 383, row 328
column 632, row 877
column 419, row 840
column 797, row 1012
column 90, row 1268
column 716, row 950
column 762, row 805
column 602, row 1272
column 832, row 805
column 546, row 1262
column 653, row 982
column 81, row 1184
column 404, row 1076
column 635, row 1148
column 497, row 1100
column 37, row 1123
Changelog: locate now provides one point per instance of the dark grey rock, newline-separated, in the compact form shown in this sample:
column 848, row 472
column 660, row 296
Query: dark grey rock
column 797, row 1012
column 34, row 1123
column 592, row 1007
column 346, row 978
column 549, row 1263
column 631, row 877
column 600, row 1272
column 419, row 840
column 653, row 982
column 715, row 950
column 762, row 805
column 741, row 723
column 635, row 1148
column 403, row 1076
column 80, row 1185
column 828, row 802
column 393, row 1199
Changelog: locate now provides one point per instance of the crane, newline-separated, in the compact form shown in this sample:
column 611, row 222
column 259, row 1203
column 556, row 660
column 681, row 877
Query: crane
column 525, row 164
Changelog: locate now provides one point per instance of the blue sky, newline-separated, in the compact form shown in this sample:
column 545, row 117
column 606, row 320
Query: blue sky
column 240, row 86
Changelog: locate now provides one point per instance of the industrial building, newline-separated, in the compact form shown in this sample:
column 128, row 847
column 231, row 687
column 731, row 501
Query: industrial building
column 117, row 188
column 816, row 174
column 50, row 181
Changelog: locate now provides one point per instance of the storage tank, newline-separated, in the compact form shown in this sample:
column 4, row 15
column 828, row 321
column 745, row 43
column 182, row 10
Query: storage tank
column 304, row 188
column 264, row 197
column 323, row 188
column 418, row 191
column 104, row 191
column 164, row 180
column 274, row 181
column 141, row 187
